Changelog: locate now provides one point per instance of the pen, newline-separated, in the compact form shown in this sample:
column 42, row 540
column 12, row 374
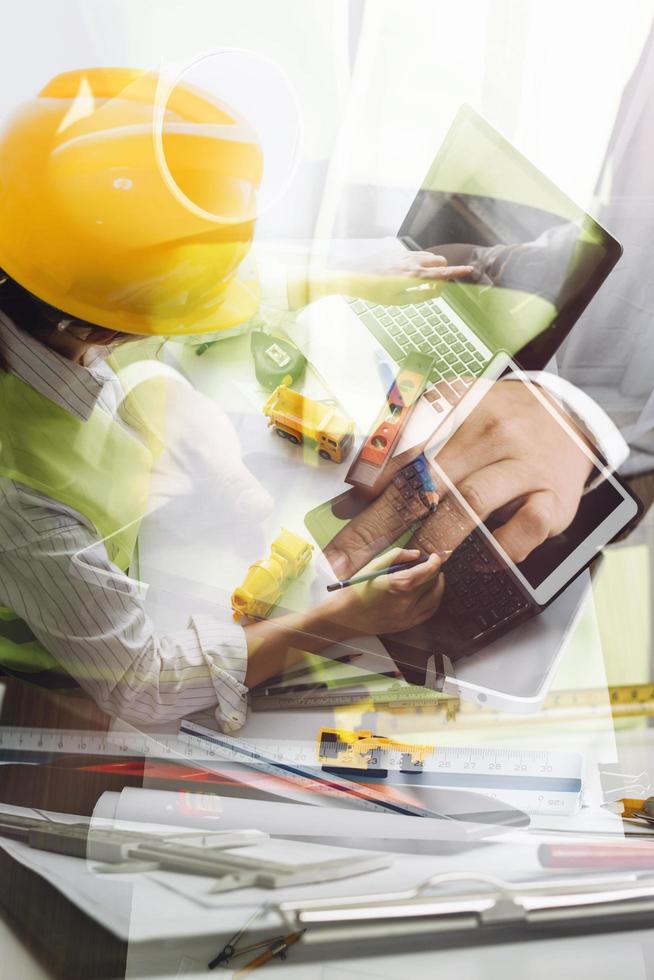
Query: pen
column 348, row 682
column 368, row 576
column 302, row 671
column 277, row 949
column 626, row 857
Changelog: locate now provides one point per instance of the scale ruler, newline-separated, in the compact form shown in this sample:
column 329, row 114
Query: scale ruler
column 204, row 747
column 534, row 781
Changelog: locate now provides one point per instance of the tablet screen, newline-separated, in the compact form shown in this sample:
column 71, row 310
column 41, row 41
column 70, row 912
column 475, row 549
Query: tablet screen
column 602, row 512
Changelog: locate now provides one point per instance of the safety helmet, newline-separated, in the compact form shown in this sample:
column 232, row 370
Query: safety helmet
column 129, row 202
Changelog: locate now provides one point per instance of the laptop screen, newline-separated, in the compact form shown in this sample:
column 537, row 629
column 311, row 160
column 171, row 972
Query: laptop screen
column 537, row 257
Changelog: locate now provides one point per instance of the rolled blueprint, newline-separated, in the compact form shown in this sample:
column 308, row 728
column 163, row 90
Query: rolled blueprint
column 163, row 809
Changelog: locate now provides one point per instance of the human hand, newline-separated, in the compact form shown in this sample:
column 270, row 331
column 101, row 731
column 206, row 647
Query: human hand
column 510, row 457
column 410, row 278
column 425, row 266
column 389, row 603
column 396, row 508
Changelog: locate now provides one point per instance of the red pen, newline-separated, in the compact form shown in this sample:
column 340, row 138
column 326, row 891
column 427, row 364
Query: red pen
column 616, row 857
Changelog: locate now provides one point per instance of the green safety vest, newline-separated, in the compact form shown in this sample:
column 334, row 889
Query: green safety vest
column 98, row 467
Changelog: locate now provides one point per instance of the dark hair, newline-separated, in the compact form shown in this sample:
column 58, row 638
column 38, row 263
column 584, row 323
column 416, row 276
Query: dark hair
column 36, row 317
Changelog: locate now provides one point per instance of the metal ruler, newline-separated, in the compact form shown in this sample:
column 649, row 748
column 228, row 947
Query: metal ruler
column 43, row 744
column 535, row 782
column 626, row 701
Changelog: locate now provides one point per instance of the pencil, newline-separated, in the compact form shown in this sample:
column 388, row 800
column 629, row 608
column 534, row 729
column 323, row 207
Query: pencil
column 388, row 570
column 277, row 949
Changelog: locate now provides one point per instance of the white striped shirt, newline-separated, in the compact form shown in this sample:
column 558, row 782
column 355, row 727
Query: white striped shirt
column 95, row 623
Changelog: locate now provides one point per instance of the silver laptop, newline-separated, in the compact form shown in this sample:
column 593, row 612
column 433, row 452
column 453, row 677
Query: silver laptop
column 537, row 260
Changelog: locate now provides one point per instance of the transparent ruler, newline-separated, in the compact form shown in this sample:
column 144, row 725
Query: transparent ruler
column 533, row 781
column 298, row 764
column 294, row 762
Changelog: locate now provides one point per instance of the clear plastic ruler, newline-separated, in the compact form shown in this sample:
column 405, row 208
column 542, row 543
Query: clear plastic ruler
column 534, row 781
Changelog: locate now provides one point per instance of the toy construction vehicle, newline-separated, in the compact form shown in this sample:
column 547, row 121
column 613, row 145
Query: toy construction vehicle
column 266, row 580
column 363, row 750
column 296, row 417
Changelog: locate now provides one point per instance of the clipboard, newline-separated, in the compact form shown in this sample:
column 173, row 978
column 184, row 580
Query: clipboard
column 460, row 915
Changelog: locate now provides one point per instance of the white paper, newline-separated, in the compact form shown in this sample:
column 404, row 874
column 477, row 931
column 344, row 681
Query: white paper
column 208, row 812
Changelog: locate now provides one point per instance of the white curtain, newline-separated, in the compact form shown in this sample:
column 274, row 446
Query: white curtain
column 549, row 76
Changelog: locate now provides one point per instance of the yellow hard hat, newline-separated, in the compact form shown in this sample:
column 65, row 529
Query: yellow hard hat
column 130, row 202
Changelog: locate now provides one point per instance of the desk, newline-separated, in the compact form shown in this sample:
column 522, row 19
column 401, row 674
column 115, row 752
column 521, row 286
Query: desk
column 596, row 957
column 16, row 959
column 313, row 481
column 298, row 481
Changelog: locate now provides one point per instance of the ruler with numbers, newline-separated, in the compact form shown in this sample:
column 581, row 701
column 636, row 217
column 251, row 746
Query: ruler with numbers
column 624, row 701
column 534, row 781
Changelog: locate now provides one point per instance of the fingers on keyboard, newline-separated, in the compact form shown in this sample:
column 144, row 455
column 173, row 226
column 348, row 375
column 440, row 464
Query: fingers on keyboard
column 375, row 529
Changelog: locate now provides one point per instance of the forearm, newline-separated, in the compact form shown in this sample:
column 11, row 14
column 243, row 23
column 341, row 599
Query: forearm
column 90, row 616
column 273, row 645
column 291, row 278
column 305, row 289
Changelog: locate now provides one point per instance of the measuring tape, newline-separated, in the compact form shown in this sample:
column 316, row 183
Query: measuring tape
column 625, row 701
column 536, row 782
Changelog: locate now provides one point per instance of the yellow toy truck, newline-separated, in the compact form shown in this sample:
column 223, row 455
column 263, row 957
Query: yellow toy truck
column 266, row 580
column 294, row 417
column 356, row 750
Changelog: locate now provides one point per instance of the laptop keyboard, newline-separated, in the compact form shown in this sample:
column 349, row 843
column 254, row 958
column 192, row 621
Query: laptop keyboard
column 426, row 328
column 479, row 592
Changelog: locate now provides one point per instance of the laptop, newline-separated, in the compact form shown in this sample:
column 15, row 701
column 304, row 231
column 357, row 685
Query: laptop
column 537, row 257
column 486, row 594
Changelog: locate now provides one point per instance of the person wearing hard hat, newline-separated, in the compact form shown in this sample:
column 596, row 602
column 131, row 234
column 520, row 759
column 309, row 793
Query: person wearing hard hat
column 126, row 210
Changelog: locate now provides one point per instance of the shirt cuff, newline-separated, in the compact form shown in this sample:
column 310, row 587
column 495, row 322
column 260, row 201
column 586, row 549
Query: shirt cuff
column 225, row 652
column 592, row 419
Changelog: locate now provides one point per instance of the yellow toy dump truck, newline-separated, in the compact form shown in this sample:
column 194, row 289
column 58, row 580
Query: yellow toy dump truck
column 294, row 417
column 266, row 580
